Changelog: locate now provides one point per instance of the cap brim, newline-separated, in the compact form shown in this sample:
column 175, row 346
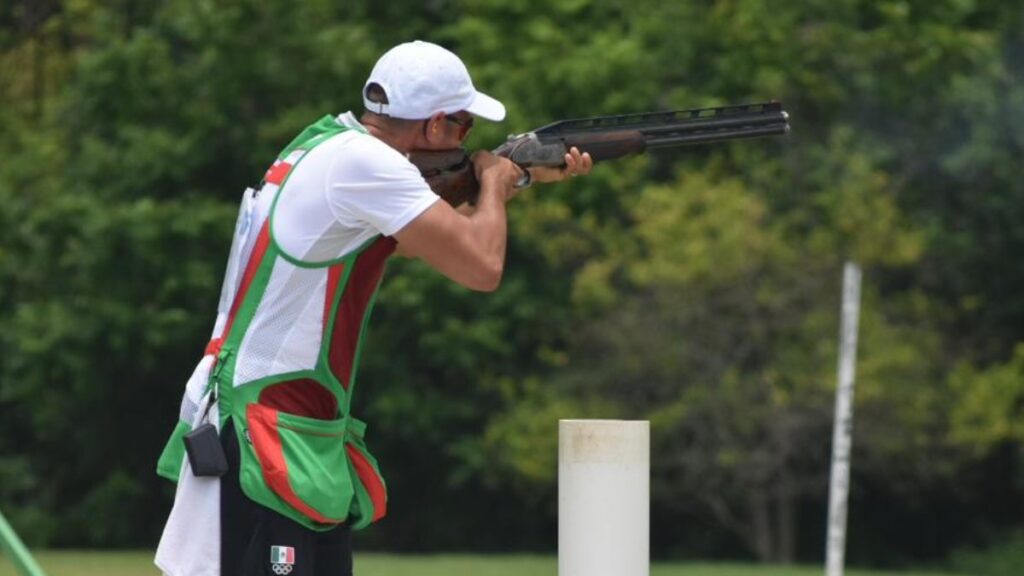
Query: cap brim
column 486, row 107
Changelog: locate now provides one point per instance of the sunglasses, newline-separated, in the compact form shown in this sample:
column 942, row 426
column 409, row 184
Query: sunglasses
column 464, row 124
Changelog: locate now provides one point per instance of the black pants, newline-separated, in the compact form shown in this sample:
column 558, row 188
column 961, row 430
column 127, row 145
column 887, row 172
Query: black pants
column 256, row 541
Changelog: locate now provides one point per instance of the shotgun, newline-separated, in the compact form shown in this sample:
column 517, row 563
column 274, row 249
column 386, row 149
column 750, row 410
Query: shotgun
column 450, row 172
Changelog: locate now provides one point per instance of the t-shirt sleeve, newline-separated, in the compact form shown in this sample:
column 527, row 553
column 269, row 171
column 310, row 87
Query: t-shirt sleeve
column 374, row 184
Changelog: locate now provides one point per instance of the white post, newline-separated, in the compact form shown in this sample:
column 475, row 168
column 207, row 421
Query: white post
column 603, row 498
column 839, row 488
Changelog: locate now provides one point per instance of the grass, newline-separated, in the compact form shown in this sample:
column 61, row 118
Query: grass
column 81, row 563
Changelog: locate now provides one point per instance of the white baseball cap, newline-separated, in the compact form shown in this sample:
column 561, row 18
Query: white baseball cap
column 422, row 79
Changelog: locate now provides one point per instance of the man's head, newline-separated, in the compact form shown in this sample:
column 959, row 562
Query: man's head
column 422, row 85
column 421, row 79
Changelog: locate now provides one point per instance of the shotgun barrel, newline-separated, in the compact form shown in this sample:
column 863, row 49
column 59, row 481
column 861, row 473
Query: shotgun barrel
column 609, row 137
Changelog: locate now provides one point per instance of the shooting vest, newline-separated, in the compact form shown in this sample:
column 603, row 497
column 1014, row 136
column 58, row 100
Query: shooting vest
column 288, row 390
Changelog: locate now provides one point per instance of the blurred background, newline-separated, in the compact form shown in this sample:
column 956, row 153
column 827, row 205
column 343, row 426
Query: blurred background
column 698, row 288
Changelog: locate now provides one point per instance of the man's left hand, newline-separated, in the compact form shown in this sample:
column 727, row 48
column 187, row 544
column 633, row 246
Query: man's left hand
column 576, row 164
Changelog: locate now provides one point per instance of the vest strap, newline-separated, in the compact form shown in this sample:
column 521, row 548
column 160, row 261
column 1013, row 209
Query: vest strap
column 213, row 347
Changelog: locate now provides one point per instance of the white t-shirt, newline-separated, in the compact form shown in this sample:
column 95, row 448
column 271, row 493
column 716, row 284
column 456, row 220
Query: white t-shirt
column 345, row 191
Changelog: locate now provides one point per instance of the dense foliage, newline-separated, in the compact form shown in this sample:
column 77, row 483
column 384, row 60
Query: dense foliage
column 696, row 288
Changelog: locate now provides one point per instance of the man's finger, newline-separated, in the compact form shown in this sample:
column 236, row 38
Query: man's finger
column 583, row 163
column 570, row 165
column 587, row 163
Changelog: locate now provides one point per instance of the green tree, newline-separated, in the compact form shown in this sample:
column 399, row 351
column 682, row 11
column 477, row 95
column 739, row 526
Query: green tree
column 698, row 288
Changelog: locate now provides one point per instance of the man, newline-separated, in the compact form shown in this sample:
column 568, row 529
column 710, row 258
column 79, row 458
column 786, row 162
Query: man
column 274, row 387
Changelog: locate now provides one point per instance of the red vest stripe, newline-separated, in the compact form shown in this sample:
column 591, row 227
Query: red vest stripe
column 333, row 278
column 363, row 281
column 255, row 259
column 277, row 173
column 370, row 480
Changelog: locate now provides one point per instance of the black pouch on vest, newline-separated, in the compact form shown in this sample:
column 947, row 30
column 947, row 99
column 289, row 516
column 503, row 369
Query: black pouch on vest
column 205, row 452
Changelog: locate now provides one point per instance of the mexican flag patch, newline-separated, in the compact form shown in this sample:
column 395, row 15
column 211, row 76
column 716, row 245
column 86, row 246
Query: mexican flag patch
column 282, row 555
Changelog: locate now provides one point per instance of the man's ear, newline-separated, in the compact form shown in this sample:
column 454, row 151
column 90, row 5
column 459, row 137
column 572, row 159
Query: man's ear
column 433, row 130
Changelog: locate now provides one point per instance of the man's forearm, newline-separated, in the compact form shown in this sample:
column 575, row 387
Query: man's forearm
column 490, row 224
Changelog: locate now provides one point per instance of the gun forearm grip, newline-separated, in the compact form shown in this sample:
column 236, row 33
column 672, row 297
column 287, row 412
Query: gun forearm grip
column 609, row 146
column 527, row 151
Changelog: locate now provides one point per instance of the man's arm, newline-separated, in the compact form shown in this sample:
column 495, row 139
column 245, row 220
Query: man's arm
column 468, row 248
column 466, row 209
column 467, row 243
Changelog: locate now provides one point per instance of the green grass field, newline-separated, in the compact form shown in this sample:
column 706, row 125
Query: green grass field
column 140, row 564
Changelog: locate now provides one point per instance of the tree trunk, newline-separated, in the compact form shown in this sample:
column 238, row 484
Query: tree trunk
column 785, row 489
column 760, row 513
column 786, row 508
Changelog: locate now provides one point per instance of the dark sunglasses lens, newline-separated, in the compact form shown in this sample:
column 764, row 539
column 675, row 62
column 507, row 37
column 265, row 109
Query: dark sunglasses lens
column 464, row 122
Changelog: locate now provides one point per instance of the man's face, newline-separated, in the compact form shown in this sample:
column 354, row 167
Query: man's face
column 445, row 131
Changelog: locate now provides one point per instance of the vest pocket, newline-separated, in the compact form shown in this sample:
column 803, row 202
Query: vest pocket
column 371, row 496
column 300, row 461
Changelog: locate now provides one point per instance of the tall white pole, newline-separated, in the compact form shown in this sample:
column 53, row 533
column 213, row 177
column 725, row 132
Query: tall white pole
column 839, row 488
column 603, row 498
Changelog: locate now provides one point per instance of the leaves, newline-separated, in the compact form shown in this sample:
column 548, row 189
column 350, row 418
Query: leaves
column 696, row 287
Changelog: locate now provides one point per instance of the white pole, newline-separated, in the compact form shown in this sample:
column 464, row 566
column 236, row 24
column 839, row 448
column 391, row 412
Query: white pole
column 603, row 498
column 839, row 488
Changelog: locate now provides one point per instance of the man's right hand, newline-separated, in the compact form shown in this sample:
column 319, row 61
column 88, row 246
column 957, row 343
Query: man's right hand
column 496, row 171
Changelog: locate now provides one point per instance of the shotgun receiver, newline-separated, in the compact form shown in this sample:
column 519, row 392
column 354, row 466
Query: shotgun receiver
column 450, row 172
